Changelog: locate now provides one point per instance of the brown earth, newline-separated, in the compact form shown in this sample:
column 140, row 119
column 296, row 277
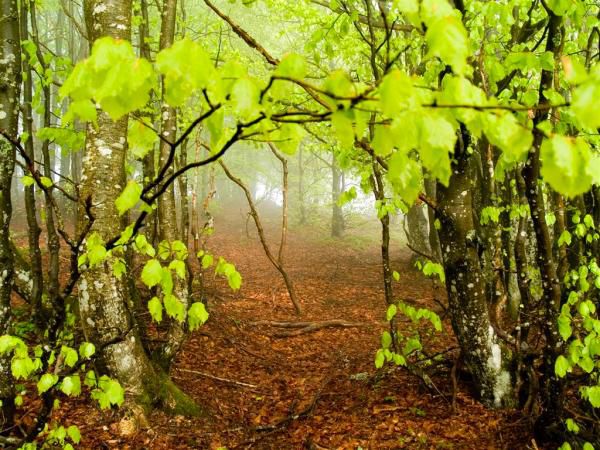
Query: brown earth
column 319, row 390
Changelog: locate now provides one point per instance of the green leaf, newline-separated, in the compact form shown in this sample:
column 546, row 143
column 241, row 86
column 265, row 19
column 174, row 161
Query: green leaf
column 46, row 382
column 70, row 355
column 96, row 252
column 156, row 309
column 244, row 97
column 565, row 238
column 560, row 7
column 108, row 393
column 174, row 307
column 183, row 78
column 179, row 267
column 292, row 65
column 22, row 367
column 207, row 261
column 87, row 350
column 74, row 434
column 113, row 77
column 565, row 164
column 341, row 122
column 152, row 273
column 448, row 40
column 27, row 180
column 129, row 197
column 561, row 366
column 405, row 175
column 585, row 102
column 572, row 426
column 564, row 326
column 71, row 385
column 140, row 138
column 234, row 280
column 593, row 395
column 197, row 315
column 386, row 340
column 379, row 359
column 391, row 312
column 396, row 93
column 505, row 132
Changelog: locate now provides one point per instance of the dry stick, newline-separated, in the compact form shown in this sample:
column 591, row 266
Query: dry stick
column 306, row 327
column 263, row 240
column 224, row 380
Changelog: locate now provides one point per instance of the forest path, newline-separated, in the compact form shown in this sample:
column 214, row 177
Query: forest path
column 327, row 376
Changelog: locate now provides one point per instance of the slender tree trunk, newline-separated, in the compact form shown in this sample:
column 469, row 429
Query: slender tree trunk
column 379, row 193
column 167, row 207
column 10, row 79
column 103, row 301
column 434, row 238
column 263, row 240
column 52, row 235
column 337, row 215
column 552, row 386
column 35, row 274
column 301, row 193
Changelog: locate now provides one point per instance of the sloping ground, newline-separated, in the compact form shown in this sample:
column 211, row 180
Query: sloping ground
column 319, row 390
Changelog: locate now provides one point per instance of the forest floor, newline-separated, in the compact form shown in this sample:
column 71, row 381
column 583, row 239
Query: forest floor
column 318, row 390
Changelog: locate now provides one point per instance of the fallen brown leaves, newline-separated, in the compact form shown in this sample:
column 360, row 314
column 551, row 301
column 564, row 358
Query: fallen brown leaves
column 319, row 390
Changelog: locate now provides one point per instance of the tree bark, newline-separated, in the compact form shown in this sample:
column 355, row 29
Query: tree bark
column 465, row 285
column 103, row 301
column 337, row 215
column 35, row 274
column 167, row 207
column 10, row 79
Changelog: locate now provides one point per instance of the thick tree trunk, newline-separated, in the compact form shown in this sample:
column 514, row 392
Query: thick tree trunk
column 10, row 79
column 104, row 308
column 467, row 296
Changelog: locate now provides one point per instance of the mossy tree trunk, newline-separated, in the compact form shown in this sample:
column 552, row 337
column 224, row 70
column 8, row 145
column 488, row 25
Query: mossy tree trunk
column 482, row 350
column 10, row 70
column 105, row 314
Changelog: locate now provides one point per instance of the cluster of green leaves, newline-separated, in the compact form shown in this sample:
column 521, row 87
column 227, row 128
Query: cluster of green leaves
column 222, row 268
column 579, row 319
column 409, row 346
column 64, row 368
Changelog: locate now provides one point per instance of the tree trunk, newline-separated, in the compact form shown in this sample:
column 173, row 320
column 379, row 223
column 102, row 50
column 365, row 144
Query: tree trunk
column 167, row 207
column 35, row 274
column 10, row 79
column 103, row 301
column 465, row 285
column 263, row 240
column 337, row 215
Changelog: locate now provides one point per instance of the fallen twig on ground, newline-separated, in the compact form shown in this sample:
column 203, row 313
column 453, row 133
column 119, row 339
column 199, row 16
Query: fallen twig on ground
column 305, row 327
column 213, row 377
